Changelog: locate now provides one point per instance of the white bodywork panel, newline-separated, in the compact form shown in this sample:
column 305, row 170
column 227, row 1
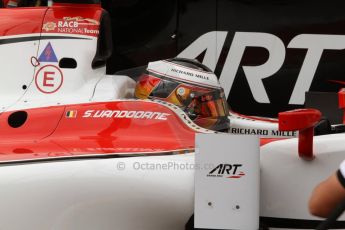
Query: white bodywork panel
column 287, row 181
column 97, row 194
column 78, row 85
column 15, row 67
column 112, row 87
column 227, row 194
column 113, row 194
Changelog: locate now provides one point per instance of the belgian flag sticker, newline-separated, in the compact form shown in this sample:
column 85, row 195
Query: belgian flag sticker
column 71, row 114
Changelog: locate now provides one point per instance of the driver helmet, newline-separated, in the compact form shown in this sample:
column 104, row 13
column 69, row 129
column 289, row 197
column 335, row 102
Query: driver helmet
column 189, row 85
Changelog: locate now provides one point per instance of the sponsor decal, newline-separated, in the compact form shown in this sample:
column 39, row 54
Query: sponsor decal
column 125, row 114
column 231, row 171
column 48, row 54
column 181, row 91
column 73, row 25
column 82, row 21
column 49, row 79
column 49, row 26
column 213, row 42
column 71, row 114
column 189, row 74
column 263, row 132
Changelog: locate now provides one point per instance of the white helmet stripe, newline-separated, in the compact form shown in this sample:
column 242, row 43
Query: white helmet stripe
column 182, row 73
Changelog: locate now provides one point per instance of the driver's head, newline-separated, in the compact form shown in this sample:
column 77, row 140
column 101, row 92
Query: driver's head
column 191, row 86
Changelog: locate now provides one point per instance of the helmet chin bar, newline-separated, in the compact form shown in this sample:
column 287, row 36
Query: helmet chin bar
column 304, row 121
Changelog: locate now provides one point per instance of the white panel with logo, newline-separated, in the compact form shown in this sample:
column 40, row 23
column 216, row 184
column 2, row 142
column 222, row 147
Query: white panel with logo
column 227, row 181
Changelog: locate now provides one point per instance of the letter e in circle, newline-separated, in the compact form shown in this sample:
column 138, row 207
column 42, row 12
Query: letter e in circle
column 49, row 79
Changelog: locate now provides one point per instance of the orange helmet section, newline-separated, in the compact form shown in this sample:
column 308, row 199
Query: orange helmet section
column 145, row 86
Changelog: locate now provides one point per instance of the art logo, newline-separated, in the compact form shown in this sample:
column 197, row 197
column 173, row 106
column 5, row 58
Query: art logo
column 314, row 45
column 231, row 171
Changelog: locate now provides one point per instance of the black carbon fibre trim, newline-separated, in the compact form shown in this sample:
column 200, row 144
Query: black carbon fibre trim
column 92, row 157
column 341, row 178
column 272, row 222
column 36, row 38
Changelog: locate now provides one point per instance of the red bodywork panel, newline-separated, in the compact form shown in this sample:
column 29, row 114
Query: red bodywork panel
column 96, row 129
column 124, row 127
column 18, row 21
column 76, row 19
column 73, row 19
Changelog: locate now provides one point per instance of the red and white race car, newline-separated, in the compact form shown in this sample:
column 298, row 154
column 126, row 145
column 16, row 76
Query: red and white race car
column 79, row 151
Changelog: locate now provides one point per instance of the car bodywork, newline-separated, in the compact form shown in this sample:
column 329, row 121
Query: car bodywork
column 78, row 152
